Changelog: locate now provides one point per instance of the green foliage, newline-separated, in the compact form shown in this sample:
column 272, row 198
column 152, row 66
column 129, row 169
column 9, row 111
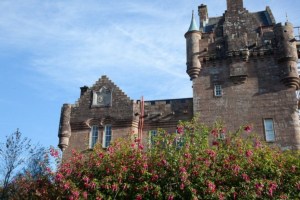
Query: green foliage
column 197, row 162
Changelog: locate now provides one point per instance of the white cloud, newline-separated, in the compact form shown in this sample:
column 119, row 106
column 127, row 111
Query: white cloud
column 139, row 44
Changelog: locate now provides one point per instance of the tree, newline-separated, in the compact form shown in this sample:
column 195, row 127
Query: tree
column 37, row 162
column 12, row 156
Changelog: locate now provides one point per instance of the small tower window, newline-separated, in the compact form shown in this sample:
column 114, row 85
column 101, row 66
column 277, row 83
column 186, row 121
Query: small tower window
column 106, row 136
column 93, row 136
column 218, row 90
column 269, row 130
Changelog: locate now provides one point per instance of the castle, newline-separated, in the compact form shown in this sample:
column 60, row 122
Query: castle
column 243, row 69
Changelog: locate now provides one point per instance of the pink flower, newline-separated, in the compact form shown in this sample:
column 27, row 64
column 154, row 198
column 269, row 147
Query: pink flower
column 187, row 155
column 48, row 170
column 154, row 177
column 272, row 187
column 86, row 179
column 101, row 155
column 180, row 129
column 236, row 169
column 248, row 128
column 215, row 143
column 234, row 195
column 68, row 171
column 214, row 132
column 54, row 153
column 257, row 144
column 66, row 186
column 164, row 162
column 114, row 187
column 211, row 153
column 141, row 147
column 207, row 162
column 181, row 186
column 249, row 153
column 138, row 197
column 145, row 165
column 85, row 195
column 221, row 196
column 246, row 177
column 211, row 187
column 59, row 177
column 259, row 187
column 75, row 194
column 170, row 197
column 92, row 185
column 182, row 169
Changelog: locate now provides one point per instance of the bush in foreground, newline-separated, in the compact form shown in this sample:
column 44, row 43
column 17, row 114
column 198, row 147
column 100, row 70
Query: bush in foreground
column 195, row 163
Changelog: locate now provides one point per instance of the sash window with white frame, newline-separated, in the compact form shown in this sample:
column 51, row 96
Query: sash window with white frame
column 107, row 133
column 93, row 136
column 217, row 90
column 269, row 130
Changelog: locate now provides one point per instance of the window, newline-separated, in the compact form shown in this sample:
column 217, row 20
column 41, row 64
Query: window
column 106, row 136
column 93, row 136
column 218, row 90
column 152, row 135
column 269, row 130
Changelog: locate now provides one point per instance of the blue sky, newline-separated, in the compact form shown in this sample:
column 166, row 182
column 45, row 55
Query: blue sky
column 50, row 48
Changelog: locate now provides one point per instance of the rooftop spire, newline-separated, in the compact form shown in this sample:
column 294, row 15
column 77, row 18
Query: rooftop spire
column 193, row 26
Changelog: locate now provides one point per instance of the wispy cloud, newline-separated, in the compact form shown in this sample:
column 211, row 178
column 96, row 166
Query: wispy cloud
column 139, row 44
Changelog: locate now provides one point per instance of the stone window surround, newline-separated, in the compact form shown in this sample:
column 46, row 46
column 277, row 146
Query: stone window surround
column 99, row 93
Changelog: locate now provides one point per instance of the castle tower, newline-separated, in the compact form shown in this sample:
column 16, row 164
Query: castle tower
column 287, row 54
column 243, row 69
column 193, row 36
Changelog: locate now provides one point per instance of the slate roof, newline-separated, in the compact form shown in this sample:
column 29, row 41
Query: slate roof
column 265, row 18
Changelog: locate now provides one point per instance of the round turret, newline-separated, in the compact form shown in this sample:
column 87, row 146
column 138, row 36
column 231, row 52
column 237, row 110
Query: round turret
column 64, row 132
column 286, row 54
column 192, row 49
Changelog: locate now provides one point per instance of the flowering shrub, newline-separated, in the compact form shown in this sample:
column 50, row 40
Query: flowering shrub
column 195, row 163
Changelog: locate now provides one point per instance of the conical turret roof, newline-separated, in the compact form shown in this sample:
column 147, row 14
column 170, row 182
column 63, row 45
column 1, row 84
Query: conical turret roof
column 193, row 26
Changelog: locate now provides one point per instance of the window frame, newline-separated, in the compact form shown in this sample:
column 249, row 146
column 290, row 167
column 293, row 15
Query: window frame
column 152, row 133
column 94, row 136
column 218, row 92
column 107, row 134
column 267, row 132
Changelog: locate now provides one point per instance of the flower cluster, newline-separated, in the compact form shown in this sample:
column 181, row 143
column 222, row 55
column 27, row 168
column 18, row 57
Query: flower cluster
column 206, row 165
